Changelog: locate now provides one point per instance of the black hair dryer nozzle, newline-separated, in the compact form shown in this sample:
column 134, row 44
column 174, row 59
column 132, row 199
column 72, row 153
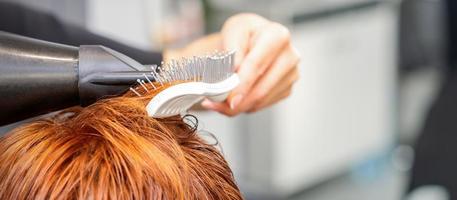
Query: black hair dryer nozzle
column 38, row 77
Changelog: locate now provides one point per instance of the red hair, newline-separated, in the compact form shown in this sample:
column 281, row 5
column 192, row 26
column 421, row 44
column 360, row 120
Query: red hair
column 112, row 150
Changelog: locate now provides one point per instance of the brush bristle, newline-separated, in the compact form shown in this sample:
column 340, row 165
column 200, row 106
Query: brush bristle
column 209, row 68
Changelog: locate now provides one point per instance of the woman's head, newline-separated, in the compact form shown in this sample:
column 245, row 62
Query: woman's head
column 112, row 150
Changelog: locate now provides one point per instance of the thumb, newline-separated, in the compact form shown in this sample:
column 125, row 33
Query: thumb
column 238, row 43
column 236, row 40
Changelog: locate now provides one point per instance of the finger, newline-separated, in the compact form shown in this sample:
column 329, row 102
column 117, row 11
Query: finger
column 280, row 75
column 237, row 31
column 280, row 93
column 285, row 84
column 221, row 107
column 236, row 40
column 278, row 97
column 263, row 52
column 277, row 94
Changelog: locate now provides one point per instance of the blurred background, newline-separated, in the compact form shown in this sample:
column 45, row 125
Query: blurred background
column 370, row 72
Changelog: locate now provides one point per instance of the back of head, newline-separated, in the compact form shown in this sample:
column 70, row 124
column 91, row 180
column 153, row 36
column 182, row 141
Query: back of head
column 112, row 150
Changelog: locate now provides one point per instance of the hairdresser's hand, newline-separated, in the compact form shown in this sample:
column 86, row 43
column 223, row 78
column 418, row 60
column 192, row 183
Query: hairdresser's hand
column 265, row 60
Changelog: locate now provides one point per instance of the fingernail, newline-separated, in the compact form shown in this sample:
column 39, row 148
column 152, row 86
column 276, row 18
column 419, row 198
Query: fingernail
column 236, row 100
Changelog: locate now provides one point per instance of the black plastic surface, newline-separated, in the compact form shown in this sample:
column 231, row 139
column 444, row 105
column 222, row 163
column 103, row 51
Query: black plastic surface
column 36, row 77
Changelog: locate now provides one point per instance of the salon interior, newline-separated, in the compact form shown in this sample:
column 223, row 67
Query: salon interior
column 369, row 118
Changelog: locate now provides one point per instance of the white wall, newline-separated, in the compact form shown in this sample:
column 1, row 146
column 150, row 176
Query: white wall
column 125, row 21
column 342, row 109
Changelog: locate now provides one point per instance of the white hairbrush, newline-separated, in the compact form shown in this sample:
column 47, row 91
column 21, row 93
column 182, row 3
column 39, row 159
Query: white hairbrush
column 193, row 80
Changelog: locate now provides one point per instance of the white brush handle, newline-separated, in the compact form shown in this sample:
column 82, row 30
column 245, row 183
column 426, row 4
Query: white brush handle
column 180, row 97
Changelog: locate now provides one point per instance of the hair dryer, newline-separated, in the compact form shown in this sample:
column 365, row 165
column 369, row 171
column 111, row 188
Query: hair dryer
column 38, row 77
